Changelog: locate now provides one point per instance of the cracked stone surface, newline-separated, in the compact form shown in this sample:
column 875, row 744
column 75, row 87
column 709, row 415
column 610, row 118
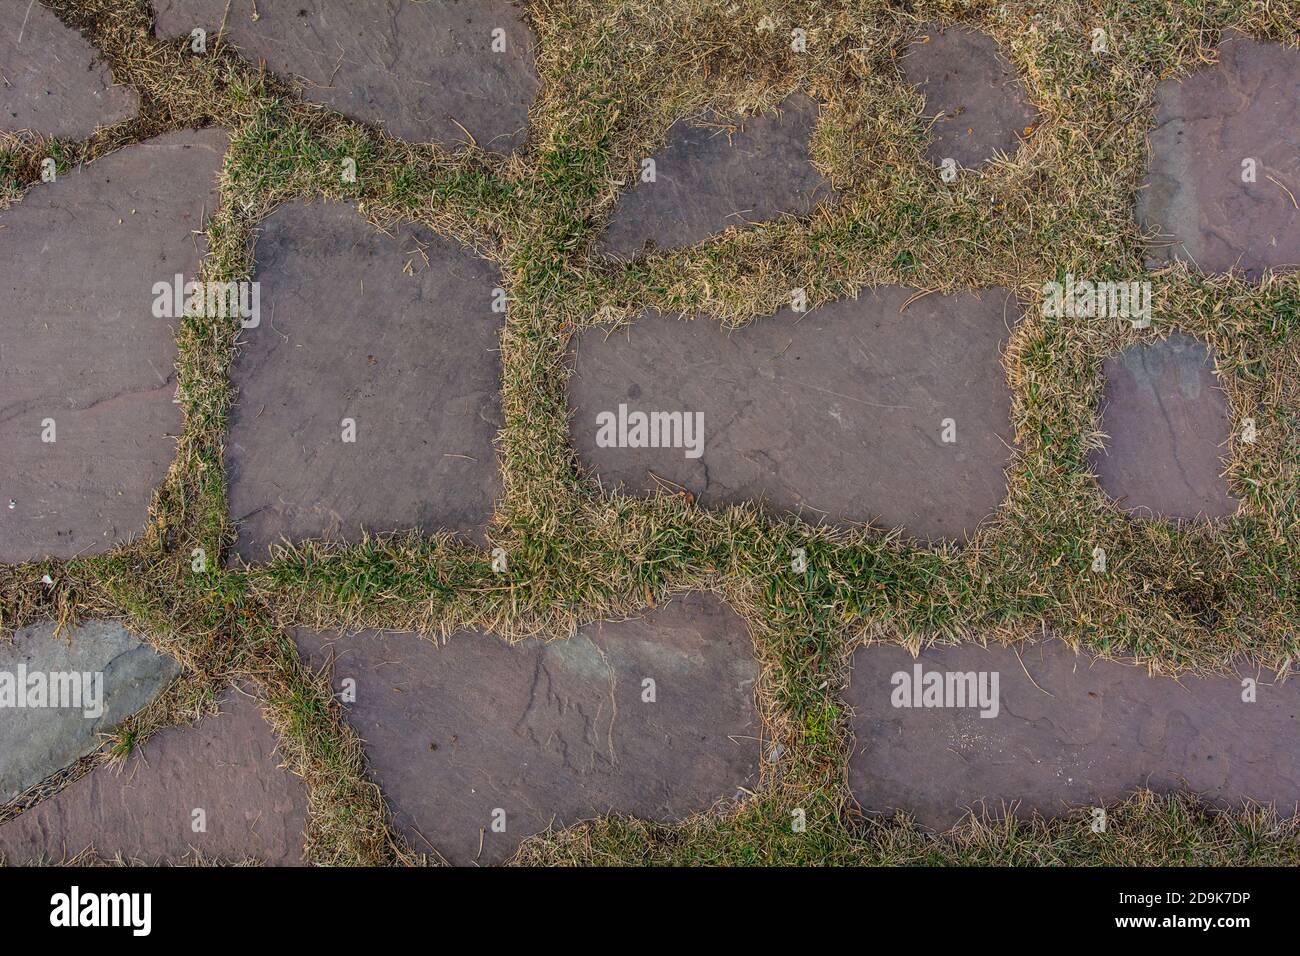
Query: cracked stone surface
column 555, row 732
column 225, row 766
column 1088, row 733
column 978, row 102
column 837, row 415
column 1207, row 125
column 706, row 180
column 36, row 742
column 79, row 343
column 1167, row 422
column 51, row 79
column 396, row 333
column 423, row 70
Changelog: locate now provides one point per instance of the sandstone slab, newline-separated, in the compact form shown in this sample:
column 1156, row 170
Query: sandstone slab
column 51, row 78
column 707, row 178
column 394, row 334
column 59, row 693
column 977, row 101
column 1224, row 176
column 87, row 371
column 478, row 731
column 1066, row 733
column 842, row 414
column 225, row 767
column 427, row 71
column 1167, row 425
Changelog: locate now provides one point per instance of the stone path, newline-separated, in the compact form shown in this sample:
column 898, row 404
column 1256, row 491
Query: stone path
column 1065, row 731
column 978, row 103
column 51, row 80
column 707, row 178
column 425, row 71
column 840, row 414
column 215, row 788
column 479, row 734
column 395, row 334
column 1167, row 426
column 87, row 370
column 1225, row 162
column 60, row 692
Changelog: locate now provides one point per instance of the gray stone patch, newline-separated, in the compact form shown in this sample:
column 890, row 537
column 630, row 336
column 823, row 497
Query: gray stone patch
column 80, row 346
column 425, row 71
column 707, row 180
column 36, row 742
column 1224, row 177
column 51, row 80
column 838, row 415
column 396, row 334
column 1167, row 425
column 226, row 767
column 544, row 733
column 974, row 95
column 1067, row 733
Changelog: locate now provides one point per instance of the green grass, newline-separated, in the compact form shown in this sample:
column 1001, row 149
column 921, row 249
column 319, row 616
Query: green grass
column 616, row 74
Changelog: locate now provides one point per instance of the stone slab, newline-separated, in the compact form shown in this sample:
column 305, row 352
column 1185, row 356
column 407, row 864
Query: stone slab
column 79, row 342
column 396, row 333
column 52, row 80
column 225, row 766
column 421, row 69
column 1167, row 423
column 1244, row 107
column 707, row 180
column 97, row 675
column 978, row 102
column 1087, row 734
column 552, row 732
column 837, row 414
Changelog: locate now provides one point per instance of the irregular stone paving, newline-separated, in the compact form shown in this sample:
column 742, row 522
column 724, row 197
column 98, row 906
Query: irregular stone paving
column 394, row 333
column 1167, row 423
column 706, row 180
column 83, row 359
column 1225, row 162
column 554, row 732
column 60, row 692
column 51, row 79
column 1067, row 733
column 980, row 104
column 422, row 70
column 225, row 766
column 838, row 414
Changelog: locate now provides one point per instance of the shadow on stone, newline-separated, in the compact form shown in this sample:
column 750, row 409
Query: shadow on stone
column 859, row 411
column 395, row 335
column 653, row 717
column 87, row 371
column 1167, row 425
column 1066, row 733
column 706, row 180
